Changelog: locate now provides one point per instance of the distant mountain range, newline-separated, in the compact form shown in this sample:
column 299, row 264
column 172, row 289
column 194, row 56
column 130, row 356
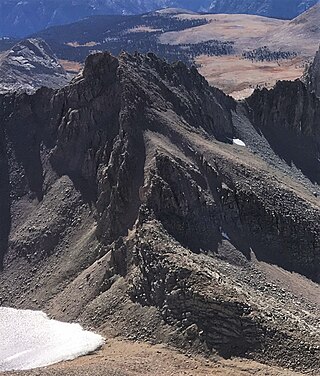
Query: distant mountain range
column 22, row 18
column 181, row 38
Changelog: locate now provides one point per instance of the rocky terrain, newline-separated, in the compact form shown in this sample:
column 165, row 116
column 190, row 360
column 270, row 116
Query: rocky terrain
column 29, row 65
column 129, row 204
column 22, row 18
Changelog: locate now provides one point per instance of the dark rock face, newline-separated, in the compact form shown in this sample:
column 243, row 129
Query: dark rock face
column 288, row 117
column 5, row 221
column 29, row 65
column 123, row 197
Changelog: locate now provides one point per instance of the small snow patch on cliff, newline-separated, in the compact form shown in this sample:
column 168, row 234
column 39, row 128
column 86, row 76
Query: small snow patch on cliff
column 237, row 141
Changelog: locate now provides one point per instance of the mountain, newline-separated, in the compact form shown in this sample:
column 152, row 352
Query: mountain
column 28, row 65
column 142, row 202
column 6, row 43
column 265, row 51
column 305, row 25
column 75, row 41
column 22, row 18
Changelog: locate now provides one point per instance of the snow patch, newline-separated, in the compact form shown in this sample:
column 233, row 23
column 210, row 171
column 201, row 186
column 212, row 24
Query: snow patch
column 237, row 141
column 225, row 235
column 29, row 339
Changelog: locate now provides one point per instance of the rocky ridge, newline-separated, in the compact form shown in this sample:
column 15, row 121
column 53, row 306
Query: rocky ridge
column 127, row 206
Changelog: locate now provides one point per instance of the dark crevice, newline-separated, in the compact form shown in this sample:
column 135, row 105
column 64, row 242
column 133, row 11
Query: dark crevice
column 5, row 200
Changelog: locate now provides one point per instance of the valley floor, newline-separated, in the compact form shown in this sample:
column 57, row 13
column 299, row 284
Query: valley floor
column 239, row 77
column 125, row 358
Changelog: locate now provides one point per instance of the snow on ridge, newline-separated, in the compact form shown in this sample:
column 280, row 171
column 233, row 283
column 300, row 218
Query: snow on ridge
column 30, row 339
column 225, row 235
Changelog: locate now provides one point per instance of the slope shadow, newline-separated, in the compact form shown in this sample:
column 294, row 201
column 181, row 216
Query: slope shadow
column 295, row 149
column 26, row 139
column 5, row 200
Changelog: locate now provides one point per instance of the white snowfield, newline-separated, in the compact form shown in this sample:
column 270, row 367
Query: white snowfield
column 29, row 339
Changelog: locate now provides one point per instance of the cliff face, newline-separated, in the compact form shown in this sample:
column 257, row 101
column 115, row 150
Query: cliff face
column 125, row 203
column 288, row 117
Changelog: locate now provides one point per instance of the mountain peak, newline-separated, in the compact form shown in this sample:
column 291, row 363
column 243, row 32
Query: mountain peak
column 147, row 81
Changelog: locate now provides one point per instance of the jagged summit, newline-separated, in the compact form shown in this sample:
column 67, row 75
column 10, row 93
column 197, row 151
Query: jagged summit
column 29, row 65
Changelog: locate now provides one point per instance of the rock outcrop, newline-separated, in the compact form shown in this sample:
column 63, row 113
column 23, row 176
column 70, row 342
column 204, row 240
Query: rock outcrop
column 127, row 204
